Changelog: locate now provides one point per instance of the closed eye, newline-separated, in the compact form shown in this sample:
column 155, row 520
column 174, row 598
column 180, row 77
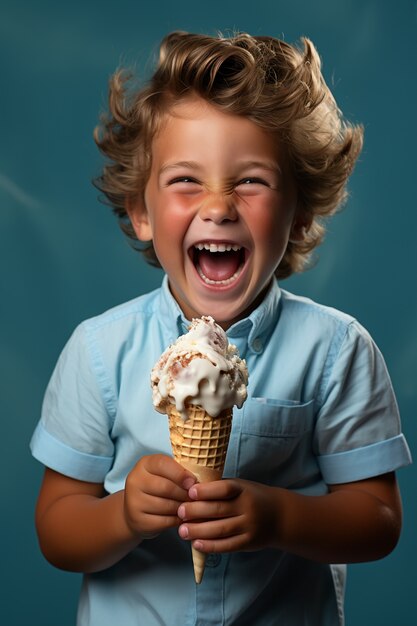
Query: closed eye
column 185, row 185
column 182, row 179
column 251, row 180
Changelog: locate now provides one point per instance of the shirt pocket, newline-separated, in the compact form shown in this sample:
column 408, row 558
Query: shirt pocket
column 274, row 437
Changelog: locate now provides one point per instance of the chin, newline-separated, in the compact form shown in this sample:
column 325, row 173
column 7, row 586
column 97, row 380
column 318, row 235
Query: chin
column 225, row 316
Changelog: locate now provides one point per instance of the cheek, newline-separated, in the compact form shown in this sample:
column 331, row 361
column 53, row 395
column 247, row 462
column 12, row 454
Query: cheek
column 270, row 225
column 270, row 236
column 169, row 229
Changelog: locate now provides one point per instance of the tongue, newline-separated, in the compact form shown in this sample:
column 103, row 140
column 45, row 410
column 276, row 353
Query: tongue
column 218, row 265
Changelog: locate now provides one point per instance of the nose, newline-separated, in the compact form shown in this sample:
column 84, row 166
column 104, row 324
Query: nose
column 218, row 208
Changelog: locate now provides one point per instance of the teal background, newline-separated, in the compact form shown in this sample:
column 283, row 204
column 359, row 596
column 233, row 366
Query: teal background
column 63, row 259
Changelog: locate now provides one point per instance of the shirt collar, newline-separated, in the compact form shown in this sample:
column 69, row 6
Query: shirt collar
column 170, row 313
column 258, row 325
column 255, row 328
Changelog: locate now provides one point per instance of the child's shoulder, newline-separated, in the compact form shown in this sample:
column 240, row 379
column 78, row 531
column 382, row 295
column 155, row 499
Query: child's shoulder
column 135, row 325
column 312, row 326
column 309, row 318
column 300, row 305
column 143, row 306
column 124, row 324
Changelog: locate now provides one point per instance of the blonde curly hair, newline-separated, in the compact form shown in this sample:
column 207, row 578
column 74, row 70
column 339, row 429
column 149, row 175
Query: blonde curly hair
column 278, row 86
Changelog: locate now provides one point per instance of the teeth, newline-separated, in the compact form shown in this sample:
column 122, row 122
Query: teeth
column 218, row 247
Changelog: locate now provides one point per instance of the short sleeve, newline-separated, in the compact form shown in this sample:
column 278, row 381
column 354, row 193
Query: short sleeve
column 73, row 435
column 358, row 431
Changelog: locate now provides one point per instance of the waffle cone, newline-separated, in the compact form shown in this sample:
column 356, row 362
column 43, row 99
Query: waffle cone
column 199, row 444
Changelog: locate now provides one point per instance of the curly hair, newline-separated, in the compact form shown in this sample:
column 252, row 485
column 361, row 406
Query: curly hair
column 278, row 86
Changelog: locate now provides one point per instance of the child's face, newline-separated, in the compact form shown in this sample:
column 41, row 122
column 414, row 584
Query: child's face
column 219, row 206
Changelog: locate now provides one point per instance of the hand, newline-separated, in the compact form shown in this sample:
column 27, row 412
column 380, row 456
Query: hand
column 230, row 515
column 154, row 490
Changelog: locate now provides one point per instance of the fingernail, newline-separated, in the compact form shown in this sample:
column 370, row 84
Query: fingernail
column 198, row 545
column 193, row 493
column 188, row 482
column 181, row 511
column 183, row 531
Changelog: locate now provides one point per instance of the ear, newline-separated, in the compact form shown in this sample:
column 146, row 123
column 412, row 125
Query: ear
column 139, row 218
column 299, row 227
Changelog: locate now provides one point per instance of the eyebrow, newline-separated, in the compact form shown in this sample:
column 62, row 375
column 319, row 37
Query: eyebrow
column 173, row 166
column 265, row 165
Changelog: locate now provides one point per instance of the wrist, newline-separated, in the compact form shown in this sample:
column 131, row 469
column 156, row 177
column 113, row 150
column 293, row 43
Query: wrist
column 122, row 521
column 279, row 518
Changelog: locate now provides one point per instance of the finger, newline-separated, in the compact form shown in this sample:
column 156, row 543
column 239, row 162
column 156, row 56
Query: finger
column 162, row 487
column 236, row 543
column 152, row 525
column 215, row 490
column 202, row 509
column 214, row 529
column 155, row 505
column 224, row 540
column 166, row 467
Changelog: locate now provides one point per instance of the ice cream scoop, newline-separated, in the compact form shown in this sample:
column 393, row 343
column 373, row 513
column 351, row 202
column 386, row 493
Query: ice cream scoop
column 201, row 368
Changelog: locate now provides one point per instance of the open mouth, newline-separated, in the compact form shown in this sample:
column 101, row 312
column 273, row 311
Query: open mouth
column 218, row 263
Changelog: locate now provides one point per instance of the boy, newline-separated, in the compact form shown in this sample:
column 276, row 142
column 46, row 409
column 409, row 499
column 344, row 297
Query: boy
column 225, row 163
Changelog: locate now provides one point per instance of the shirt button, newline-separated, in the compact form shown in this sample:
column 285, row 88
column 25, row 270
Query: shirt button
column 213, row 560
column 257, row 344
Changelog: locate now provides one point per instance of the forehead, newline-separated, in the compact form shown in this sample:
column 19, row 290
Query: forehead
column 193, row 109
column 194, row 124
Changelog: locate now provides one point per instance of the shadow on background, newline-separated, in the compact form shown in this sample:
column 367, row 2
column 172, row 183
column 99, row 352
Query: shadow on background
column 63, row 259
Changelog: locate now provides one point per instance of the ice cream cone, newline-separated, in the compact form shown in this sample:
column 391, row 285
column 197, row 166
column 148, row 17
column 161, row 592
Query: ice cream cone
column 199, row 443
column 197, row 381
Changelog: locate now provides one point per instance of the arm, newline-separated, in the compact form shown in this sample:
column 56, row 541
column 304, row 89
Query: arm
column 354, row 522
column 80, row 528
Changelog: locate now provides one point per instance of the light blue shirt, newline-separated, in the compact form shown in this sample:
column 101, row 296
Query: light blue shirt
column 320, row 410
